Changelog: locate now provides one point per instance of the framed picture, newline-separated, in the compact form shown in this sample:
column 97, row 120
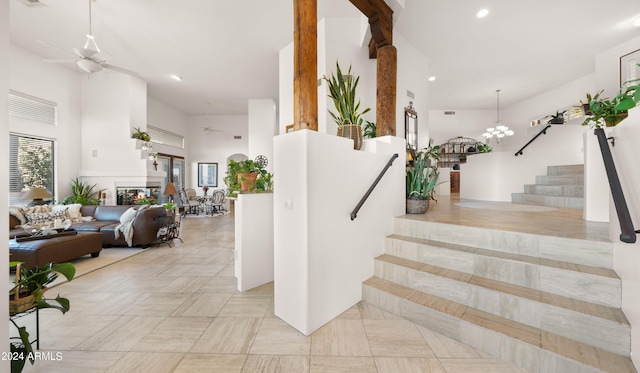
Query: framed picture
column 629, row 69
column 207, row 174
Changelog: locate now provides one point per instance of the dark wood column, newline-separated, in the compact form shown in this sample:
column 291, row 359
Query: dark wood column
column 386, row 91
column 305, row 69
column 381, row 47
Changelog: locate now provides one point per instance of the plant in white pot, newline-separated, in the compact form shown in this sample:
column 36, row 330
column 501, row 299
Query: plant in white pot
column 348, row 115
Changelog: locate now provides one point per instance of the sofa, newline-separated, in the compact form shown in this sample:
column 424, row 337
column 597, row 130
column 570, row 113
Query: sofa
column 144, row 222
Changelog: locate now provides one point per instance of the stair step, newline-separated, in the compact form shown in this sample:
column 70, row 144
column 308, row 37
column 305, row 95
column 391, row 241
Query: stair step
column 570, row 250
column 555, row 190
column 571, row 318
column 571, row 169
column 547, row 200
column 590, row 283
column 529, row 347
column 560, row 179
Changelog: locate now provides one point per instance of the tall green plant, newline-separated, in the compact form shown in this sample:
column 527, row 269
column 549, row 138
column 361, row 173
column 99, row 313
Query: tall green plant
column 342, row 90
column 82, row 193
column 422, row 175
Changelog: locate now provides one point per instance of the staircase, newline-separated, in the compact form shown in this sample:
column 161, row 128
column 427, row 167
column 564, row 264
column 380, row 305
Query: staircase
column 563, row 187
column 545, row 304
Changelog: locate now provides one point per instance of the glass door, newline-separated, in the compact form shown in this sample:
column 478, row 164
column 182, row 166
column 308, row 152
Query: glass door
column 163, row 165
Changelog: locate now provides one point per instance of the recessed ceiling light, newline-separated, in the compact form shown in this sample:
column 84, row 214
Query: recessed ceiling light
column 176, row 77
column 482, row 13
column 636, row 21
column 432, row 78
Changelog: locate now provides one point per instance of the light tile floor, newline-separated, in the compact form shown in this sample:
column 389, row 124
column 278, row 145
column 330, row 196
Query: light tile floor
column 176, row 309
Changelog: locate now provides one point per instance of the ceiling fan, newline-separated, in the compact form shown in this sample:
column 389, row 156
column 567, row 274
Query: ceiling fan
column 86, row 59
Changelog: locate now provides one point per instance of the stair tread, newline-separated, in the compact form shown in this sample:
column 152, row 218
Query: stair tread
column 593, row 356
column 592, row 309
column 597, row 271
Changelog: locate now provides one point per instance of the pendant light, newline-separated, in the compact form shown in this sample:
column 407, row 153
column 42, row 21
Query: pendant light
column 499, row 131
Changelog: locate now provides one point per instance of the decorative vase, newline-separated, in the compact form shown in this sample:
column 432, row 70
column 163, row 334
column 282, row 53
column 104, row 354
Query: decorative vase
column 247, row 180
column 351, row 131
column 417, row 205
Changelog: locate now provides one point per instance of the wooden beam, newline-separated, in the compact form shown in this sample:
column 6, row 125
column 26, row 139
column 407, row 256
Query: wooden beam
column 305, row 68
column 386, row 81
column 380, row 21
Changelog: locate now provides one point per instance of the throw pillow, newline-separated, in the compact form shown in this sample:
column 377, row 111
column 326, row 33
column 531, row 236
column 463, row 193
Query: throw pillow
column 44, row 219
column 73, row 211
column 18, row 213
column 128, row 215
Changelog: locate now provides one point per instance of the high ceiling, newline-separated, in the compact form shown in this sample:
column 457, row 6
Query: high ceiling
column 227, row 51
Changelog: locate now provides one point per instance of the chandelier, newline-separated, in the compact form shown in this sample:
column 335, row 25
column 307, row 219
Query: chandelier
column 499, row 131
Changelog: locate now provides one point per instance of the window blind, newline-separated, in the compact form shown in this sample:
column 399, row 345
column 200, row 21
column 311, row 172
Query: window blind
column 31, row 164
column 25, row 106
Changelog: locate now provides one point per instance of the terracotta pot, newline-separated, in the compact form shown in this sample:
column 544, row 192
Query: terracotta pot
column 352, row 131
column 247, row 180
column 416, row 205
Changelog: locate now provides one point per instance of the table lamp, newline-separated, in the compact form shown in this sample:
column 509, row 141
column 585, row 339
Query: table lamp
column 36, row 194
column 170, row 190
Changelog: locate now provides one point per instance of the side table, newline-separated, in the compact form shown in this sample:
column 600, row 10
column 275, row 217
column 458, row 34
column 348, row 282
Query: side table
column 170, row 228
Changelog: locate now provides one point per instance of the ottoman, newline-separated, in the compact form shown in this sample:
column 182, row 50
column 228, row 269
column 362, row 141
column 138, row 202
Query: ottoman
column 61, row 249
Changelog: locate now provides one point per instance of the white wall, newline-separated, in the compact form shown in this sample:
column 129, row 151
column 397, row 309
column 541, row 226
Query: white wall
column 413, row 75
column 163, row 116
column 262, row 128
column 285, row 88
column 53, row 82
column 4, row 170
column 465, row 123
column 215, row 146
column 494, row 176
column 321, row 256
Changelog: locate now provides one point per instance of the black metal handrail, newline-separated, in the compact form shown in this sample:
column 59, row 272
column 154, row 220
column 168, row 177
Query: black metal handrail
column 628, row 234
column 543, row 132
column 354, row 213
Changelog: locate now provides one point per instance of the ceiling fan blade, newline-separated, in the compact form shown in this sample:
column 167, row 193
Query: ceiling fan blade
column 55, row 47
column 119, row 69
column 58, row 61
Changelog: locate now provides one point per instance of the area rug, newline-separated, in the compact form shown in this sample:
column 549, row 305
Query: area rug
column 87, row 264
column 505, row 206
column 221, row 213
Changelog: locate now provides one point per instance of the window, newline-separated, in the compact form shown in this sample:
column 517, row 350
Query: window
column 161, row 136
column 30, row 165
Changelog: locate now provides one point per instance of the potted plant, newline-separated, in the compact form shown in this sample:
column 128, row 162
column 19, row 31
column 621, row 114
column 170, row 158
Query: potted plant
column 369, row 130
column 81, row 193
column 421, row 179
column 139, row 134
column 484, row 148
column 611, row 111
column 348, row 115
column 28, row 293
column 247, row 175
column 557, row 118
column 170, row 207
column 586, row 105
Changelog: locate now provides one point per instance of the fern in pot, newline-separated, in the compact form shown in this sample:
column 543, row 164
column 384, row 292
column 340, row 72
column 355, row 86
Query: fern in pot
column 348, row 115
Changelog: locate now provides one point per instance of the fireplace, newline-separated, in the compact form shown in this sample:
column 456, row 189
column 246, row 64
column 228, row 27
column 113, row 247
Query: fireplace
column 131, row 195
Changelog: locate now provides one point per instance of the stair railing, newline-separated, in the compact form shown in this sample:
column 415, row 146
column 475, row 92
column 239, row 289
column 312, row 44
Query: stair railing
column 543, row 132
column 628, row 234
column 354, row 213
